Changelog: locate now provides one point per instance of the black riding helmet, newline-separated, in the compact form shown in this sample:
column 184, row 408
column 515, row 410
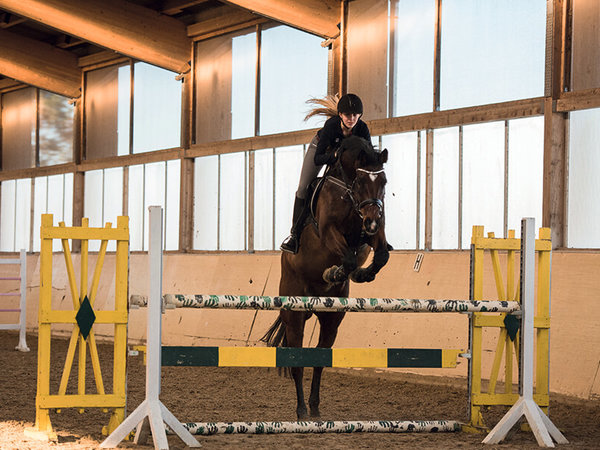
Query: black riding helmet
column 350, row 104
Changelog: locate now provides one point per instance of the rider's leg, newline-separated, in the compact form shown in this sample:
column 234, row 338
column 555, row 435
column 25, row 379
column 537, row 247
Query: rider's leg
column 308, row 173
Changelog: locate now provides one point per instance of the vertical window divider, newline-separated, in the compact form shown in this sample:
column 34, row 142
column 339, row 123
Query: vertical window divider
column 165, row 203
column 437, row 56
column 392, row 19
column 131, row 93
column 418, row 212
column 274, row 215
column 37, row 128
column 257, row 81
column 249, row 193
column 14, row 240
column 429, row 191
column 460, row 186
column 506, row 175
column 219, row 202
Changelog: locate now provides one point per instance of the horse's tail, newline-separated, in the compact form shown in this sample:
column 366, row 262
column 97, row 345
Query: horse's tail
column 275, row 336
column 323, row 106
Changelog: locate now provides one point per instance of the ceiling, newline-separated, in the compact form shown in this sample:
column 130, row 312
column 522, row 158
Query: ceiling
column 46, row 44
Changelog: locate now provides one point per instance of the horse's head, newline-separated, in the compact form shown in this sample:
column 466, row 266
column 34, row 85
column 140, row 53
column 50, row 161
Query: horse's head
column 362, row 169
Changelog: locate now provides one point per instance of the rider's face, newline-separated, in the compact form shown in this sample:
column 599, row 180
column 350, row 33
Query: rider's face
column 349, row 120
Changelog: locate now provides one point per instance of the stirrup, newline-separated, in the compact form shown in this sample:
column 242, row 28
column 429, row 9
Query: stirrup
column 290, row 244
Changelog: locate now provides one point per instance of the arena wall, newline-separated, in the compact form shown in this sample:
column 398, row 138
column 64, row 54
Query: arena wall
column 575, row 331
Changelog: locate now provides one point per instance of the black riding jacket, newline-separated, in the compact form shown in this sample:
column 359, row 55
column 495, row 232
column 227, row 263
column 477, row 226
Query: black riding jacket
column 331, row 135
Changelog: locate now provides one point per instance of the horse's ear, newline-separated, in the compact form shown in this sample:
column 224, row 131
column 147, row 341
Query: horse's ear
column 383, row 156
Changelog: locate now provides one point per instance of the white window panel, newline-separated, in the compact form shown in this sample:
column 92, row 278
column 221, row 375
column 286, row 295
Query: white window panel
column 483, row 179
column 413, row 61
column 123, row 110
column 206, row 201
column 401, row 190
column 492, row 51
column 7, row 232
column 40, row 193
column 298, row 58
column 136, row 207
column 23, row 214
column 584, row 183
column 263, row 199
column 288, row 163
column 113, row 200
column 232, row 203
column 172, row 206
column 243, row 85
column 154, row 192
column 157, row 109
column 525, row 171
column 93, row 202
column 445, row 189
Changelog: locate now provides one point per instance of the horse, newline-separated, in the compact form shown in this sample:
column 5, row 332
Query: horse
column 348, row 221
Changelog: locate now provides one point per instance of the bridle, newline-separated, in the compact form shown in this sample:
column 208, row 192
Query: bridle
column 350, row 194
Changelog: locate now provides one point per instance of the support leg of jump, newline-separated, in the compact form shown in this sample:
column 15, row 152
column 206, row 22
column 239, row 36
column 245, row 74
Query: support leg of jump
column 542, row 427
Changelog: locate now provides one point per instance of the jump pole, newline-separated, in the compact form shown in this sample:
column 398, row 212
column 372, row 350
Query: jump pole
column 543, row 428
column 151, row 411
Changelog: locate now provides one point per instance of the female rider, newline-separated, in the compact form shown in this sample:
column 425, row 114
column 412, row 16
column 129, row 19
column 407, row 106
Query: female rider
column 322, row 150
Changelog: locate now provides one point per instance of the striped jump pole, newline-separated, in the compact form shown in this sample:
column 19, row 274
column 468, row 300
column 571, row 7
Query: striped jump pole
column 332, row 304
column 340, row 427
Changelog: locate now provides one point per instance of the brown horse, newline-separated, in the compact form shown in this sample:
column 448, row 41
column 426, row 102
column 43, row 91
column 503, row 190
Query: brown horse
column 348, row 221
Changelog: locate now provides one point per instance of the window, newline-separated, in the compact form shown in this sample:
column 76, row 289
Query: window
column 55, row 129
column 156, row 110
column 15, row 212
column 103, row 200
column 403, row 190
column 52, row 195
column 584, row 164
column 154, row 184
column 491, row 51
column 296, row 57
column 414, row 34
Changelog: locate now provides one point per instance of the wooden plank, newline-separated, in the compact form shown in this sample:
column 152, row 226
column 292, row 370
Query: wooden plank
column 585, row 48
column 554, row 211
column 228, row 19
column 367, row 56
column 125, row 27
column 572, row 101
column 318, row 17
column 39, row 64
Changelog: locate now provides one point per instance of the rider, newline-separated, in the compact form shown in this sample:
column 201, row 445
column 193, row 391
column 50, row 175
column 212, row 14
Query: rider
column 322, row 150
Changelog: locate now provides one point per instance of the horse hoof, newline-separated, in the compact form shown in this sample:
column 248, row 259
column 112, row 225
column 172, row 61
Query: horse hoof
column 315, row 414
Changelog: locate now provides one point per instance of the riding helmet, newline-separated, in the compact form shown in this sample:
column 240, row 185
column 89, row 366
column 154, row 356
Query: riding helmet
column 350, row 104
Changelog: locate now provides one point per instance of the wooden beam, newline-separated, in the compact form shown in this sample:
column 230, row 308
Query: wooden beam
column 171, row 7
column 39, row 64
column 572, row 101
column 127, row 28
column 319, row 17
column 231, row 21
column 461, row 116
column 554, row 207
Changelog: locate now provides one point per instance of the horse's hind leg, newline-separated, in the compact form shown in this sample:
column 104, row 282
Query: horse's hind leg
column 294, row 332
column 329, row 323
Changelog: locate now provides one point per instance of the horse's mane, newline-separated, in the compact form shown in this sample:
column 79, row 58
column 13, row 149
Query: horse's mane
column 323, row 106
column 355, row 146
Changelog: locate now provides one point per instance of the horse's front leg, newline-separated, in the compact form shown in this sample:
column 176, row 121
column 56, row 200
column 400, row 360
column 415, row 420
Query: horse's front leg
column 337, row 244
column 328, row 325
column 381, row 256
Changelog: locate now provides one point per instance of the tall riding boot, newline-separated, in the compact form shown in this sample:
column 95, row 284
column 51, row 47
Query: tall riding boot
column 292, row 242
